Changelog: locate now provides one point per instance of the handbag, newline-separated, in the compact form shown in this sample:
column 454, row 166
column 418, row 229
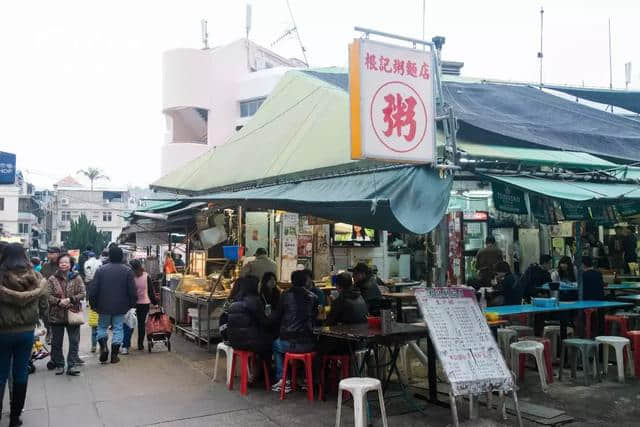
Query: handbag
column 74, row 317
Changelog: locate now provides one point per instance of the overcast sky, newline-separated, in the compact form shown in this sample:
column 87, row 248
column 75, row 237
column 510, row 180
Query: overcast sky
column 80, row 80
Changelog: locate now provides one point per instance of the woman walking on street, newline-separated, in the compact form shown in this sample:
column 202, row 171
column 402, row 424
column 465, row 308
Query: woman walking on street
column 22, row 298
column 145, row 297
column 66, row 292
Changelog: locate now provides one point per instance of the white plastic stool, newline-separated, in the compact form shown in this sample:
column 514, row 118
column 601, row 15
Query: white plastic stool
column 405, row 367
column 505, row 337
column 358, row 387
column 619, row 344
column 523, row 331
column 553, row 333
column 228, row 351
column 534, row 348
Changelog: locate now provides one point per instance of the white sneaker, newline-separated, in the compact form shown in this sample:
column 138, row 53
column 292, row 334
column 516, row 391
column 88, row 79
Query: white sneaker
column 124, row 350
column 277, row 387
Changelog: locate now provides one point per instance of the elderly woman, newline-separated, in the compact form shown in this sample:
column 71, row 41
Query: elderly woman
column 66, row 292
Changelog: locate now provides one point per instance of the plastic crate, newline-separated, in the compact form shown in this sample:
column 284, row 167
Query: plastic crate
column 545, row 302
column 233, row 253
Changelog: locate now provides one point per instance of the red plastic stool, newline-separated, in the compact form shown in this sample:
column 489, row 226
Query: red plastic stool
column 588, row 314
column 245, row 358
column 344, row 361
column 547, row 357
column 307, row 359
column 622, row 322
column 522, row 319
column 634, row 336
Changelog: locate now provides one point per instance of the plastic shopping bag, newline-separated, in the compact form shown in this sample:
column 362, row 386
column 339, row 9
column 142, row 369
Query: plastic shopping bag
column 131, row 319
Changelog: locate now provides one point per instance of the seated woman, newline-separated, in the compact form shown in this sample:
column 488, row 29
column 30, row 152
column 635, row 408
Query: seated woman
column 247, row 325
column 566, row 271
column 269, row 292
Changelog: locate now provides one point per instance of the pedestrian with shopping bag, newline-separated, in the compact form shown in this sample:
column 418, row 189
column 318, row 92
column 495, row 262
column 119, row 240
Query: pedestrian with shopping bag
column 146, row 296
column 66, row 292
column 112, row 294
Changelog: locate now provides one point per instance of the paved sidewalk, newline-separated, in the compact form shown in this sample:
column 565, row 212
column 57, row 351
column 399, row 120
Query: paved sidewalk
column 175, row 389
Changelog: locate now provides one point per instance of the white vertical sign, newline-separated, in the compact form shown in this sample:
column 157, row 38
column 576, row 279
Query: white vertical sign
column 392, row 102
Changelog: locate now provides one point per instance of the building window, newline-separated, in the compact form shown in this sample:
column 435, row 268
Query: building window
column 64, row 235
column 1, row 203
column 249, row 108
column 66, row 216
column 23, row 228
column 107, row 235
column 106, row 216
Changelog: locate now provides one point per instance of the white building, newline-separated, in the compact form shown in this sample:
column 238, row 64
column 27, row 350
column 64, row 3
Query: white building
column 105, row 207
column 207, row 94
column 18, row 210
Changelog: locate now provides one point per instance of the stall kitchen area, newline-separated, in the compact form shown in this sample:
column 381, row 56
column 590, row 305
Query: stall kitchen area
column 176, row 389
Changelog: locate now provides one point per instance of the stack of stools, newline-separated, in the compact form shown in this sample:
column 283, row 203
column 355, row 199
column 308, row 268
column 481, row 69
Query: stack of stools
column 621, row 322
column 522, row 331
column 587, row 349
column 548, row 361
column 619, row 344
column 552, row 332
column 505, row 337
column 534, row 348
column 633, row 319
column 634, row 337
column 228, row 351
column 307, row 359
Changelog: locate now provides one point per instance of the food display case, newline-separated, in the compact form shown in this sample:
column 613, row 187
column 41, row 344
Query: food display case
column 199, row 301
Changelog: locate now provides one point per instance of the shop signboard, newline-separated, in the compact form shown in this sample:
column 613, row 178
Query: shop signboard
column 628, row 208
column 603, row 214
column 392, row 102
column 463, row 341
column 7, row 168
column 544, row 210
column 574, row 211
column 508, row 199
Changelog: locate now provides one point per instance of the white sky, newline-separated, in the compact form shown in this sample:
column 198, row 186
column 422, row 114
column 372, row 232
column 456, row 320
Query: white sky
column 80, row 80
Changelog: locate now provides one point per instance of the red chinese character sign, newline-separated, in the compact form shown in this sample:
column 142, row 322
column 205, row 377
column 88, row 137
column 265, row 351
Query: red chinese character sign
column 391, row 91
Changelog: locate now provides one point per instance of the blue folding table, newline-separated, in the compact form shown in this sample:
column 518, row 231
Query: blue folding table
column 540, row 313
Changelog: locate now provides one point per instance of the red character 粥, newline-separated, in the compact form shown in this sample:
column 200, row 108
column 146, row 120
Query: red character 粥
column 398, row 113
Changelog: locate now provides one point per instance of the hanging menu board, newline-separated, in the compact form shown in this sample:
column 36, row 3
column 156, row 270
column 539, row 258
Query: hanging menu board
column 463, row 341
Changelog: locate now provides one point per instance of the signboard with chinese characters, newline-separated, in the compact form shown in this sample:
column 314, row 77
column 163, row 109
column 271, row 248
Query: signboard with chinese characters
column 391, row 91
column 463, row 341
column 508, row 199
column 574, row 211
column 7, row 168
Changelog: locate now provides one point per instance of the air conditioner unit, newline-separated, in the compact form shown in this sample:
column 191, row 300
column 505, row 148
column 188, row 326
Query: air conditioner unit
column 64, row 201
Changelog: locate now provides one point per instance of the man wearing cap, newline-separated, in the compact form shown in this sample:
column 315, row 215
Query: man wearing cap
column 51, row 266
column 367, row 284
column 262, row 264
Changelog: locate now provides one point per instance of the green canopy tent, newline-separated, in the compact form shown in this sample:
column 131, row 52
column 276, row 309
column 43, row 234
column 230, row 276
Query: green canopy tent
column 294, row 154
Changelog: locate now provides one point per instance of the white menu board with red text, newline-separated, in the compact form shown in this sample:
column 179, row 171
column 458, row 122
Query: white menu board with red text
column 463, row 341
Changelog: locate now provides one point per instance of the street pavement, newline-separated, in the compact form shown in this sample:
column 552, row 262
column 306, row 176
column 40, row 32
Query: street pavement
column 173, row 389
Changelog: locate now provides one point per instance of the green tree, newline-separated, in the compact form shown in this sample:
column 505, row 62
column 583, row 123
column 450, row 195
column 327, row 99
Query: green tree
column 93, row 174
column 84, row 233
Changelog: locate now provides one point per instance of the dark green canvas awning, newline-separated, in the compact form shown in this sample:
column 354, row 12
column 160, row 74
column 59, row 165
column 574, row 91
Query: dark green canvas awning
column 402, row 199
column 577, row 191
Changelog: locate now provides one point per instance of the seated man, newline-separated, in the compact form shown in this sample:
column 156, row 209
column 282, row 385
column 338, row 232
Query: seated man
column 297, row 311
column 508, row 285
column 311, row 285
column 592, row 282
column 367, row 284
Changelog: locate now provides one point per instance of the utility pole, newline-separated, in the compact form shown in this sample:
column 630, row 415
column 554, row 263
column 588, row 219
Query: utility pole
column 540, row 55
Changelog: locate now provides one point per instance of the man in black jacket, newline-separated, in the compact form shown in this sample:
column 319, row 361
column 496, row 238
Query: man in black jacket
column 112, row 294
column 367, row 284
column 298, row 309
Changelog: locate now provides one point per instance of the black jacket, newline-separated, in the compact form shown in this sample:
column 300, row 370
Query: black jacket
column 371, row 294
column 297, row 311
column 592, row 286
column 534, row 277
column 247, row 325
column 113, row 290
column 348, row 308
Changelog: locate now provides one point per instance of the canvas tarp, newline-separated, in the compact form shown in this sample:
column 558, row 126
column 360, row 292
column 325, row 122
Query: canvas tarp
column 627, row 99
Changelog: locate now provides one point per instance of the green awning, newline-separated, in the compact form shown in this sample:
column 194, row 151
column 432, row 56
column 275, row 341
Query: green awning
column 577, row 191
column 535, row 156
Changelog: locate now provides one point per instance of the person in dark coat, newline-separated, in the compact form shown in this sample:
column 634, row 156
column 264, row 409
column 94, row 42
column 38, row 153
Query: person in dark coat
column 269, row 292
column 592, row 281
column 247, row 325
column 296, row 314
column 508, row 284
column 367, row 284
column 348, row 308
column 111, row 295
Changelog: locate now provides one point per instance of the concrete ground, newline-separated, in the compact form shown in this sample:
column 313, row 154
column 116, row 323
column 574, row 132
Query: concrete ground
column 175, row 389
